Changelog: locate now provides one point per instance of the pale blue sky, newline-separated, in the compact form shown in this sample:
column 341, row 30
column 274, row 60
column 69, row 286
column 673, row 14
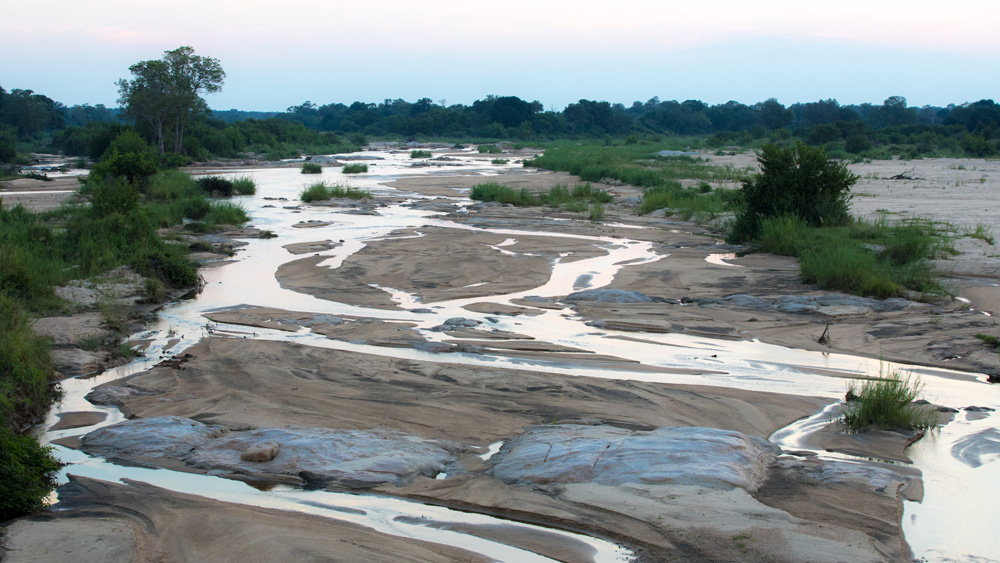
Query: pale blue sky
column 555, row 52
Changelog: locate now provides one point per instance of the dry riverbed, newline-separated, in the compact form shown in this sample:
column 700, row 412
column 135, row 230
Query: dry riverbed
column 672, row 472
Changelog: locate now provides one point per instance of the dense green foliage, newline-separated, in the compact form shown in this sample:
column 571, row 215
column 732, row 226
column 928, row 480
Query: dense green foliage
column 797, row 181
column 28, row 474
column 420, row 154
column 887, row 403
column 311, row 168
column 321, row 191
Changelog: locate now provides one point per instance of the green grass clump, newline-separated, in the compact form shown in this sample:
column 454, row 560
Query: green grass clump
column 560, row 195
column 499, row 161
column 887, row 402
column 226, row 213
column 311, row 168
column 321, row 191
column 244, row 185
column 596, row 212
column 989, row 340
column 355, row 168
column 880, row 259
column 490, row 149
column 420, row 154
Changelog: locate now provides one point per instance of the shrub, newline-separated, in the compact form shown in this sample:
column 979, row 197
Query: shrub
column 977, row 146
column 887, row 402
column 226, row 213
column 857, row 144
column 311, row 168
column 596, row 212
column 215, row 185
column 355, row 168
column 499, row 161
column 420, row 154
column 798, row 181
column 27, row 474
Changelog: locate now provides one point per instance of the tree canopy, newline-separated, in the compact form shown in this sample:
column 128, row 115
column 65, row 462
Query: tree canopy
column 168, row 91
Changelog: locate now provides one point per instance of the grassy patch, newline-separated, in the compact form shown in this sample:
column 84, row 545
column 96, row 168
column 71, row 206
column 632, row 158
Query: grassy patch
column 321, row 191
column 881, row 259
column 311, row 168
column 560, row 195
column 244, row 185
column 420, row 154
column 355, row 168
column 887, row 402
column 499, row 161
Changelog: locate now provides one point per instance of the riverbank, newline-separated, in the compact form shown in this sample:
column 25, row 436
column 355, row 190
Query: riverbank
column 418, row 324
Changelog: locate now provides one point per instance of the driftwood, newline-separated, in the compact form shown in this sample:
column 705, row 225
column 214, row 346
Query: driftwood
column 905, row 175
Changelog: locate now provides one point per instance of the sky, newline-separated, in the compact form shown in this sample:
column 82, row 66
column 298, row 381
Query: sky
column 281, row 54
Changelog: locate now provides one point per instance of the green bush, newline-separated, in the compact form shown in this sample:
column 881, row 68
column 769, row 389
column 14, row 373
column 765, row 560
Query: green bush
column 420, row 154
column 499, row 161
column 355, row 168
column 226, row 213
column 215, row 185
column 978, row 146
column 311, row 168
column 887, row 402
column 27, row 474
column 857, row 144
column 244, row 185
column 797, row 181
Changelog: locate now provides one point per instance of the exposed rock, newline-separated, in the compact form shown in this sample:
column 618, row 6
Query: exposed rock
column 456, row 323
column 261, row 452
column 358, row 458
column 161, row 436
column 609, row 296
column 706, row 457
column 979, row 448
column 111, row 395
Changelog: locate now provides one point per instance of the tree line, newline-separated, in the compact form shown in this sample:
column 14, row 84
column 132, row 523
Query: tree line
column 163, row 102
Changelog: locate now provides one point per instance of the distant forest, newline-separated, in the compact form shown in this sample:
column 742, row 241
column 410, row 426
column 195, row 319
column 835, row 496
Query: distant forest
column 34, row 122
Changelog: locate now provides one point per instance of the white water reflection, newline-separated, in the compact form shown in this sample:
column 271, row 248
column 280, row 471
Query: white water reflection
column 680, row 359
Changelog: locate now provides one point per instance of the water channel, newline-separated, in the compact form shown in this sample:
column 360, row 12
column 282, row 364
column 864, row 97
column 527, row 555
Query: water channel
column 954, row 522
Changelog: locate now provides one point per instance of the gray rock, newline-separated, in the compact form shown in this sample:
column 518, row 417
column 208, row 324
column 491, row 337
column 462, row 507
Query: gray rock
column 323, row 455
column 261, row 452
column 707, row 457
column 609, row 296
column 972, row 449
column 161, row 436
column 455, row 323
column 112, row 395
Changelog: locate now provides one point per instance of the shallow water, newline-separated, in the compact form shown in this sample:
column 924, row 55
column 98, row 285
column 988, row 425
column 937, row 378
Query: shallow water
column 954, row 522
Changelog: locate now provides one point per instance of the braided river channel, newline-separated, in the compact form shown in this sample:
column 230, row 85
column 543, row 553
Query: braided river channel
column 955, row 521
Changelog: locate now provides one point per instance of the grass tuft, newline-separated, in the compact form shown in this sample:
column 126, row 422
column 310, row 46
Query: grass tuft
column 355, row 168
column 311, row 168
column 887, row 402
column 321, row 191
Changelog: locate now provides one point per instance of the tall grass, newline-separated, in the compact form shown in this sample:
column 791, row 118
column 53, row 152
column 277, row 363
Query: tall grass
column 321, row 191
column 244, row 185
column 420, row 154
column 559, row 195
column 876, row 259
column 355, row 168
column 887, row 402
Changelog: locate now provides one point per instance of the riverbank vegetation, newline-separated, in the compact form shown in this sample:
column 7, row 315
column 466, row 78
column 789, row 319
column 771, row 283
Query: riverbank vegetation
column 887, row 402
column 321, row 191
column 127, row 201
column 355, row 168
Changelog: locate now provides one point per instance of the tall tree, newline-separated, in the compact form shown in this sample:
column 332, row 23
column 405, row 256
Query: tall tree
column 169, row 91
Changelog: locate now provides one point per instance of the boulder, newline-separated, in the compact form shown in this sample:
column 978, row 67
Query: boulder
column 609, row 296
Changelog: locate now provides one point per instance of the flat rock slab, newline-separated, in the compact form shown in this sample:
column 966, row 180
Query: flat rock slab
column 352, row 458
column 607, row 455
column 357, row 458
column 161, row 436
column 69, row 420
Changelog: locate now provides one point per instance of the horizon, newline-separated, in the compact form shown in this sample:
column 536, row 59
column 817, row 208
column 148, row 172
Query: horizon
column 444, row 50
